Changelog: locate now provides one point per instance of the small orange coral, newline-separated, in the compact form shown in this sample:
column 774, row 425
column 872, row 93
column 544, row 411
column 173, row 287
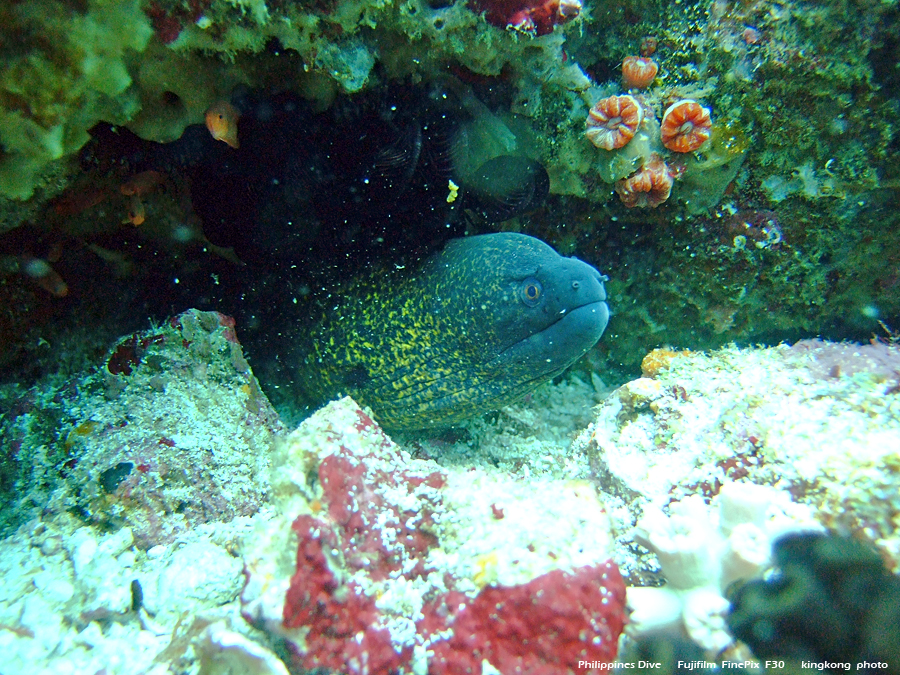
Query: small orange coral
column 638, row 72
column 659, row 360
column 613, row 121
column 648, row 187
column 685, row 126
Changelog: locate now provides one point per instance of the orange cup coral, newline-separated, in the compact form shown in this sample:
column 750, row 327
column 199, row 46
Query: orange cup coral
column 648, row 187
column 613, row 121
column 638, row 72
column 685, row 126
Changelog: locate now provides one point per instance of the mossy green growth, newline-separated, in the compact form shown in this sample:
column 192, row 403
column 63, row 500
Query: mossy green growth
column 33, row 453
column 709, row 172
column 64, row 68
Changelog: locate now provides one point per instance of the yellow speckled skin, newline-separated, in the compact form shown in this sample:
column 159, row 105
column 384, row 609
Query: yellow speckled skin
column 482, row 323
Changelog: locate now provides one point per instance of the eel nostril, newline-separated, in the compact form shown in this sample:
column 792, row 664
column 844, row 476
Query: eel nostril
column 576, row 285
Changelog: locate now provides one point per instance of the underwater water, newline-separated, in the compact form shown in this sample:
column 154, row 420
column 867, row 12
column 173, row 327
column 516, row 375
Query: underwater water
column 449, row 337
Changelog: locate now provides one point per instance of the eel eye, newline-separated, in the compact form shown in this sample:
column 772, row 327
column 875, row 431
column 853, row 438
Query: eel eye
column 531, row 291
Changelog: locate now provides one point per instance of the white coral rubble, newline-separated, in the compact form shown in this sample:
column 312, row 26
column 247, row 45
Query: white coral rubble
column 704, row 548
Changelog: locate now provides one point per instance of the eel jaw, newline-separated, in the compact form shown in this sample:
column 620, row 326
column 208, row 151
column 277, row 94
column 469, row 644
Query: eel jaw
column 557, row 346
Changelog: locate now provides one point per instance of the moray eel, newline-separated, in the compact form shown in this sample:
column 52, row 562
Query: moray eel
column 481, row 324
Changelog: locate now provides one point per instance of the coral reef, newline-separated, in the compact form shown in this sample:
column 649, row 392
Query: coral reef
column 400, row 563
column 497, row 557
column 632, row 142
column 144, row 443
column 781, row 225
column 413, row 539
column 766, row 416
column 79, row 600
column 760, row 67
column 148, row 66
column 703, row 550
column 531, row 17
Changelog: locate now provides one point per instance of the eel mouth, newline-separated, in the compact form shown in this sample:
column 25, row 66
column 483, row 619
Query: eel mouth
column 579, row 329
column 561, row 343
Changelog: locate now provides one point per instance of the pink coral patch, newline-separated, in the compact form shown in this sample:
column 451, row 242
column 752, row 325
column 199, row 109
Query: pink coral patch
column 340, row 618
column 546, row 626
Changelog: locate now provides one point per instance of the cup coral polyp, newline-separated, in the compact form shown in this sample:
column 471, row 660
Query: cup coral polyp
column 648, row 187
column 686, row 126
column 627, row 128
column 613, row 121
column 638, row 72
